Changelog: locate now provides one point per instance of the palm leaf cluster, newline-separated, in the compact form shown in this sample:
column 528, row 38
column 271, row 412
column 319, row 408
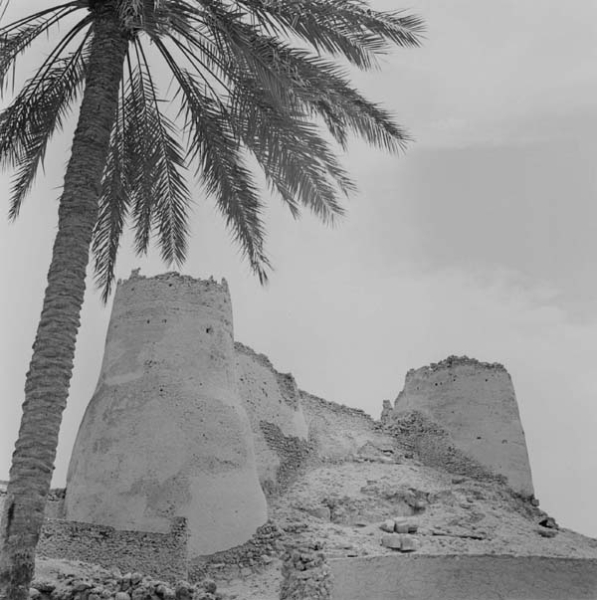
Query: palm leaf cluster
column 249, row 80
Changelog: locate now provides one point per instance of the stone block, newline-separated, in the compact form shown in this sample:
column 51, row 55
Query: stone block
column 388, row 526
column 409, row 544
column 401, row 526
column 392, row 540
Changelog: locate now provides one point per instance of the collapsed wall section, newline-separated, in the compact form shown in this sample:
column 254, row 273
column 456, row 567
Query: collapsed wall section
column 462, row 414
column 166, row 433
column 305, row 572
column 272, row 401
column 338, row 432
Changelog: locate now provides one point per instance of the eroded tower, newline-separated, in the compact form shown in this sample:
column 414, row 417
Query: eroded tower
column 166, row 433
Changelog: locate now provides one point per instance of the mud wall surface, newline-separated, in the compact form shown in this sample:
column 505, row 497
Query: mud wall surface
column 475, row 405
column 464, row 578
column 166, row 434
column 161, row 555
column 272, row 401
column 338, row 432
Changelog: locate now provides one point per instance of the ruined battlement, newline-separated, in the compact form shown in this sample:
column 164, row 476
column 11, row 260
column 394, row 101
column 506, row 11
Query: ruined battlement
column 176, row 279
column 138, row 299
column 451, row 363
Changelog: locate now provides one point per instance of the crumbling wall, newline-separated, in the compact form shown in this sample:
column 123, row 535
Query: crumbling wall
column 418, row 434
column 161, row 555
column 259, row 551
column 272, row 401
column 166, row 433
column 306, row 574
column 462, row 414
column 293, row 454
column 339, row 432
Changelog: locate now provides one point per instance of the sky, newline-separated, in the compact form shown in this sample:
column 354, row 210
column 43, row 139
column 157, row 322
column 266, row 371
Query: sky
column 479, row 240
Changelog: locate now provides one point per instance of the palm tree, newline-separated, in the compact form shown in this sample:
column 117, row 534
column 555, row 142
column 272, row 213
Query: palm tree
column 242, row 91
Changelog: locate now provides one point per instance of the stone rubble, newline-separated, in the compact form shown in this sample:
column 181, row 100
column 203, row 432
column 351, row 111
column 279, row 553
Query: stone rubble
column 131, row 586
column 305, row 573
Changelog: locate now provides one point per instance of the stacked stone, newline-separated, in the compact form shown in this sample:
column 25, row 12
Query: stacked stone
column 259, row 551
column 305, row 573
column 420, row 436
column 293, row 453
column 132, row 586
column 412, row 425
column 396, row 536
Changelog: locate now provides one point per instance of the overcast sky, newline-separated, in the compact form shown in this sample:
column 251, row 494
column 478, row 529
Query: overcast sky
column 480, row 240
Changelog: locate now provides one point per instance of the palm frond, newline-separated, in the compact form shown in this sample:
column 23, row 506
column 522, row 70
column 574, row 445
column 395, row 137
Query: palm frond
column 325, row 90
column 366, row 119
column 244, row 90
column 143, row 179
column 16, row 37
column 4, row 4
column 284, row 145
column 138, row 176
column 222, row 169
column 308, row 83
column 294, row 157
column 239, row 46
column 294, row 76
column 163, row 161
column 347, row 28
column 28, row 124
column 114, row 204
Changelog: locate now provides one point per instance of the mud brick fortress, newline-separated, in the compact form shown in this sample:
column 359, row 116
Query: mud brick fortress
column 191, row 441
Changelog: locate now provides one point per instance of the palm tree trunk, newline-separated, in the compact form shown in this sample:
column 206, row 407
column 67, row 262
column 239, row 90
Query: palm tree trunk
column 48, row 379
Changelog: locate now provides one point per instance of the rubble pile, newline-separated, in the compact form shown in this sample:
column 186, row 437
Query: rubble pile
column 305, row 573
column 115, row 586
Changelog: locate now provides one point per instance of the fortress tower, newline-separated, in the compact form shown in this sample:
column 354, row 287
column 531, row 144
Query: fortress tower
column 166, row 433
column 462, row 415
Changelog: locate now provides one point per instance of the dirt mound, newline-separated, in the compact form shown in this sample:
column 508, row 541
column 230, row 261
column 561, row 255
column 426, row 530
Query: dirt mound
column 345, row 505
